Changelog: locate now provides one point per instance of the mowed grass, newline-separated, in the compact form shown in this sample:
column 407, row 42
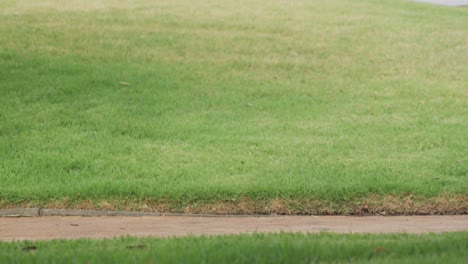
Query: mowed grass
column 198, row 102
column 257, row 248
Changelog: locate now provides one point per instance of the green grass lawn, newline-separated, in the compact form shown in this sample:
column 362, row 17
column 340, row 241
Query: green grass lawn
column 257, row 248
column 173, row 105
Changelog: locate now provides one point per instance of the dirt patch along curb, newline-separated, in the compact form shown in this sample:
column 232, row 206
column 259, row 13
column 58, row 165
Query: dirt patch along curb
column 443, row 204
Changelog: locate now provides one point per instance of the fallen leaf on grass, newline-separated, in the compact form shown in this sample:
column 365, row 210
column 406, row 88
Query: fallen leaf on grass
column 380, row 249
column 29, row 248
column 136, row 246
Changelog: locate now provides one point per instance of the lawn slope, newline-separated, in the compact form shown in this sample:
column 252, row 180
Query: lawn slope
column 234, row 106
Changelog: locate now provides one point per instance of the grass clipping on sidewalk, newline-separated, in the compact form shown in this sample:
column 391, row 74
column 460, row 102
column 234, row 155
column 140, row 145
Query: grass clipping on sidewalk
column 234, row 107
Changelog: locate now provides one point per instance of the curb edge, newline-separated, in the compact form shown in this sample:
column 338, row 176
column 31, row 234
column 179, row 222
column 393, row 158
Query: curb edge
column 36, row 212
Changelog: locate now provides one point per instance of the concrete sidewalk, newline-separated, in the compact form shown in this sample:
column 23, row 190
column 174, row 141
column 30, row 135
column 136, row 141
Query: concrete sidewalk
column 74, row 227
